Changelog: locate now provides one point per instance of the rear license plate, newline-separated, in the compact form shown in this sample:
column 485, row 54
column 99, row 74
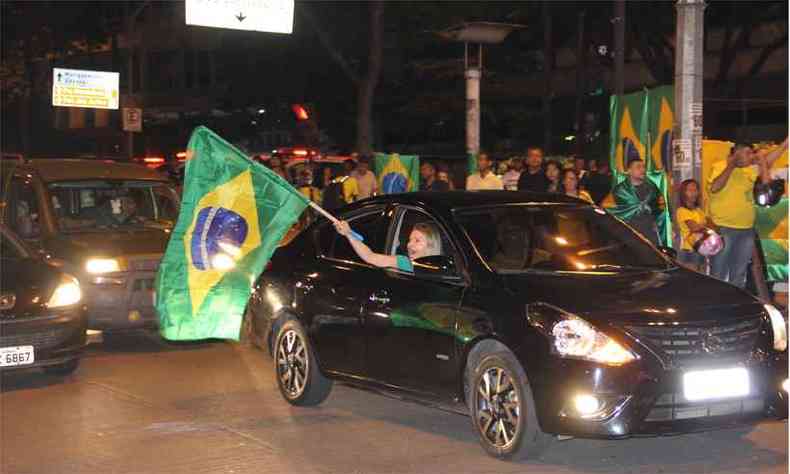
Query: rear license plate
column 718, row 383
column 21, row 355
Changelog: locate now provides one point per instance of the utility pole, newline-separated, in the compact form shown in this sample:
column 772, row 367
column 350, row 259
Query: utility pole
column 687, row 134
column 619, row 46
column 473, row 70
column 548, row 72
column 130, row 17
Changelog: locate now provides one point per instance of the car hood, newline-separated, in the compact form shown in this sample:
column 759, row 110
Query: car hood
column 31, row 281
column 673, row 295
column 78, row 246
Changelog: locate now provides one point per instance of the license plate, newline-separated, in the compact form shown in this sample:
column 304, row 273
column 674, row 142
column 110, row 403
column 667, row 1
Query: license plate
column 718, row 383
column 21, row 355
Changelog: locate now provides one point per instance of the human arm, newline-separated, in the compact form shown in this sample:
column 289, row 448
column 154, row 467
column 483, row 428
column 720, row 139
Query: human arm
column 720, row 181
column 773, row 155
column 364, row 252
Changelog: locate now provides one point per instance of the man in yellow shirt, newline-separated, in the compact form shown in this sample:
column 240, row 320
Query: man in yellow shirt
column 731, row 186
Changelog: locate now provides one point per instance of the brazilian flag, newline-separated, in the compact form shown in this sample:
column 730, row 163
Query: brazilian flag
column 661, row 117
column 397, row 173
column 635, row 121
column 233, row 214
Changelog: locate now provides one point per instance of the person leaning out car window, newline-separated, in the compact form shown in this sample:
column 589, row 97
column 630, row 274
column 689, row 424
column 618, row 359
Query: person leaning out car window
column 424, row 241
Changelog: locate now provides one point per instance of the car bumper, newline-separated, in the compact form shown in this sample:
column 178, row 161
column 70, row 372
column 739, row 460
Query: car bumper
column 129, row 305
column 641, row 402
column 56, row 337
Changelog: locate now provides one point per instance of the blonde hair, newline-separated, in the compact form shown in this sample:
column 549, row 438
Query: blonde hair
column 432, row 239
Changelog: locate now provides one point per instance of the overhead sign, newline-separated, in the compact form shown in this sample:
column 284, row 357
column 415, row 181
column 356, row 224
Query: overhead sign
column 132, row 119
column 82, row 88
column 272, row 16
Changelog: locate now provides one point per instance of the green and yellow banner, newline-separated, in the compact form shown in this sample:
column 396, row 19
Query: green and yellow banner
column 397, row 173
column 233, row 215
column 640, row 124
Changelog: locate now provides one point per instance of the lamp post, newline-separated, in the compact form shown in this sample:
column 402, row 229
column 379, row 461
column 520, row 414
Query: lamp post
column 474, row 35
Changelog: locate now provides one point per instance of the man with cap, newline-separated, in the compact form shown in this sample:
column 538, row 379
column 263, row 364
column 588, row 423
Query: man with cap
column 638, row 200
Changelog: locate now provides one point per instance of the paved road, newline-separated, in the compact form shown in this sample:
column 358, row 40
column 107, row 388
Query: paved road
column 138, row 405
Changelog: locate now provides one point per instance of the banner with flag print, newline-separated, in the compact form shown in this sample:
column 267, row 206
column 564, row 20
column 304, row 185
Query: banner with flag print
column 233, row 214
column 397, row 173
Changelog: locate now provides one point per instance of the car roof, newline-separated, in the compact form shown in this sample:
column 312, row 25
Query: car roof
column 453, row 200
column 68, row 169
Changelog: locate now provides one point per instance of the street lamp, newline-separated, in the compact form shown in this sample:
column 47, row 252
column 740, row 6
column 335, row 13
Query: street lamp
column 474, row 35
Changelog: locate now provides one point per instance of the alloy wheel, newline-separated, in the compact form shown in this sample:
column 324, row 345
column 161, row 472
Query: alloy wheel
column 498, row 407
column 292, row 363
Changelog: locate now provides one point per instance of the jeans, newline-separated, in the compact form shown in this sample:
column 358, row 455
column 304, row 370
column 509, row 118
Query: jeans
column 732, row 262
column 691, row 258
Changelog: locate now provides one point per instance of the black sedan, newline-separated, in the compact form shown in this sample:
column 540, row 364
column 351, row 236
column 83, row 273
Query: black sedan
column 540, row 315
column 42, row 318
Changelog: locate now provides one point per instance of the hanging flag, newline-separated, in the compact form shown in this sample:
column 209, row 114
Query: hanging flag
column 397, row 173
column 233, row 215
column 661, row 118
column 630, row 138
column 629, row 129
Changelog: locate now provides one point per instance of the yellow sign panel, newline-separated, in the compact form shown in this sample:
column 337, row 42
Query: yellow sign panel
column 82, row 88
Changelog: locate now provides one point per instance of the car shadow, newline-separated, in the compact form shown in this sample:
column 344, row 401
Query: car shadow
column 140, row 342
column 721, row 450
column 27, row 379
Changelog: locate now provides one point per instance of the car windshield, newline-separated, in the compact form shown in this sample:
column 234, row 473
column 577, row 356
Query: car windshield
column 100, row 204
column 523, row 238
column 10, row 250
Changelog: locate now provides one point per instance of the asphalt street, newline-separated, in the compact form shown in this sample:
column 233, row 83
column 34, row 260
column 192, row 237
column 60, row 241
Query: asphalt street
column 140, row 405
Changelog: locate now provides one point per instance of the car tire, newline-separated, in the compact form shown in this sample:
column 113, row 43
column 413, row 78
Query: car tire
column 66, row 368
column 299, row 379
column 502, row 407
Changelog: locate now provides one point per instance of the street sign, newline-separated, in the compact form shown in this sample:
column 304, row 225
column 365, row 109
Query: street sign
column 272, row 16
column 82, row 88
column 132, row 119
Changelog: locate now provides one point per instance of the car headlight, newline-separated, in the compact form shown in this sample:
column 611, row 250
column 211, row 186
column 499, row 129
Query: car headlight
column 66, row 293
column 102, row 265
column 779, row 327
column 573, row 337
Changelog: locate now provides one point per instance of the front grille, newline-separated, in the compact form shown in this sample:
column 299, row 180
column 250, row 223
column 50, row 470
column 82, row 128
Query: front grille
column 680, row 344
column 143, row 284
column 144, row 264
column 49, row 338
column 673, row 406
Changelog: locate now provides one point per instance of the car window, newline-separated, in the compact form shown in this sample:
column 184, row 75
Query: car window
column 371, row 226
column 85, row 206
column 571, row 238
column 23, row 210
column 439, row 243
column 10, row 250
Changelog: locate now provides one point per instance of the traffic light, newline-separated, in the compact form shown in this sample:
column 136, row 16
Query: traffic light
column 300, row 111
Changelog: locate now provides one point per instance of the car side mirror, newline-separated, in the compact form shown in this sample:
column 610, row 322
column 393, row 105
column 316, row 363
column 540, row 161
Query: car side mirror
column 669, row 252
column 437, row 267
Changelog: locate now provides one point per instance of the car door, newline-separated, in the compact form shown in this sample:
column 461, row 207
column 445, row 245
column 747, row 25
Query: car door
column 333, row 294
column 410, row 320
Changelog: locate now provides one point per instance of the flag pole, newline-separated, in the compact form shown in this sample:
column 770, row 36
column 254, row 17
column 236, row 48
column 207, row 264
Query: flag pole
column 332, row 218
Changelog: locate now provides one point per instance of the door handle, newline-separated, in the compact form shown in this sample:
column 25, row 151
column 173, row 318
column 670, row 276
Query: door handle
column 380, row 298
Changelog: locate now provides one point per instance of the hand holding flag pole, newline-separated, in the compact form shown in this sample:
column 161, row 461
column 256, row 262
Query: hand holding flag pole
column 333, row 219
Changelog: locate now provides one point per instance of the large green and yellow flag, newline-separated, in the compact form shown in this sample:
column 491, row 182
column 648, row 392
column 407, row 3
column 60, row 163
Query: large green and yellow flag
column 660, row 121
column 233, row 214
column 397, row 173
column 633, row 125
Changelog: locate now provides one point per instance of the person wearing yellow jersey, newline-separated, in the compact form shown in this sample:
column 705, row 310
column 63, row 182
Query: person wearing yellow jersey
column 691, row 221
column 731, row 185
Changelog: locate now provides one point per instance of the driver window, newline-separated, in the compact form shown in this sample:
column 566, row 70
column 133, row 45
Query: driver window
column 432, row 241
column 23, row 212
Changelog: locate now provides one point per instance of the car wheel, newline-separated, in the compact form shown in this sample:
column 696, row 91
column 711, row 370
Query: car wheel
column 502, row 408
column 64, row 369
column 298, row 377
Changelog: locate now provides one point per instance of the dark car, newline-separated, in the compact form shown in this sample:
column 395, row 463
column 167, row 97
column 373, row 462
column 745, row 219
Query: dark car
column 42, row 318
column 542, row 316
column 107, row 223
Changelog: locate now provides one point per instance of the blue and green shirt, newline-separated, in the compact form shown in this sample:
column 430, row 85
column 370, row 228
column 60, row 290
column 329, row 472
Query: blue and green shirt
column 404, row 263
